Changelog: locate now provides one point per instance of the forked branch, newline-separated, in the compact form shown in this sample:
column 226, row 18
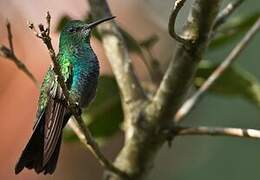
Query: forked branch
column 182, row 68
column 10, row 54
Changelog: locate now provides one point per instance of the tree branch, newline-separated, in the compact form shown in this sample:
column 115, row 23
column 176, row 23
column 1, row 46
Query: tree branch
column 44, row 34
column 189, row 104
column 179, row 75
column 225, row 13
column 10, row 36
column 143, row 138
column 117, row 54
column 10, row 54
column 216, row 131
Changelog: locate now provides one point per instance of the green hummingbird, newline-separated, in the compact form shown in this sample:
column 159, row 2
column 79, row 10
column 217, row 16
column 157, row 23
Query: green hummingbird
column 80, row 69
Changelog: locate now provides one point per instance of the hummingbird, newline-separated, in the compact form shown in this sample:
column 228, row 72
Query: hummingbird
column 80, row 68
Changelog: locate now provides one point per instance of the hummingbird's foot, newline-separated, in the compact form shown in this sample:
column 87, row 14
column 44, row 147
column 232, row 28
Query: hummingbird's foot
column 77, row 110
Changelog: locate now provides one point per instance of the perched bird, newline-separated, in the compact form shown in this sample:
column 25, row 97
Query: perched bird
column 80, row 68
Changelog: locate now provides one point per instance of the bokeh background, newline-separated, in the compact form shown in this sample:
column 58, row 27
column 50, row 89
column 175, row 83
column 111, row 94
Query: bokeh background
column 190, row 157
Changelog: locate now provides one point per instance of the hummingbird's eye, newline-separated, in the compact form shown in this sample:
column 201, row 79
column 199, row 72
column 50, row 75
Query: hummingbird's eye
column 74, row 29
column 71, row 30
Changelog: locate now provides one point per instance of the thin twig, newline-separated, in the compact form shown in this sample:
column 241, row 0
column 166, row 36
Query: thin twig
column 31, row 26
column 10, row 54
column 73, row 107
column 48, row 19
column 217, row 131
column 225, row 13
column 189, row 104
column 73, row 125
column 10, row 36
column 171, row 25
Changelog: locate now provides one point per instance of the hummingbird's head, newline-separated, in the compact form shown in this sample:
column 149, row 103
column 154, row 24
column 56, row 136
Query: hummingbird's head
column 76, row 32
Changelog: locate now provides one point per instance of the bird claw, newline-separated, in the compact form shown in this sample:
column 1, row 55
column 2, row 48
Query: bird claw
column 77, row 109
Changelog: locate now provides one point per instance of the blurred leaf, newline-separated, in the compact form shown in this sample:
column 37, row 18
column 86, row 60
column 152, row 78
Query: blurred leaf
column 234, row 81
column 62, row 21
column 104, row 115
column 233, row 28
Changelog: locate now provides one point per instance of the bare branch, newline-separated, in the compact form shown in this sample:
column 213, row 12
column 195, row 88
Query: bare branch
column 89, row 140
column 226, row 12
column 10, row 36
column 117, row 54
column 189, row 104
column 217, row 131
column 31, row 26
column 48, row 19
column 181, row 70
column 171, row 24
column 77, row 131
column 82, row 137
column 10, row 54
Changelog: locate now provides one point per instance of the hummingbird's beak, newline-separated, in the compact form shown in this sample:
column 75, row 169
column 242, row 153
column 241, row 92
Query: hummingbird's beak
column 95, row 23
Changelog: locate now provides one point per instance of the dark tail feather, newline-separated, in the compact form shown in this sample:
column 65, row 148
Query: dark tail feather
column 51, row 164
column 32, row 155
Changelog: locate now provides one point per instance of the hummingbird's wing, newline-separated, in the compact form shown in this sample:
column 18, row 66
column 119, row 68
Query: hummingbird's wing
column 55, row 109
column 54, row 118
column 41, row 152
